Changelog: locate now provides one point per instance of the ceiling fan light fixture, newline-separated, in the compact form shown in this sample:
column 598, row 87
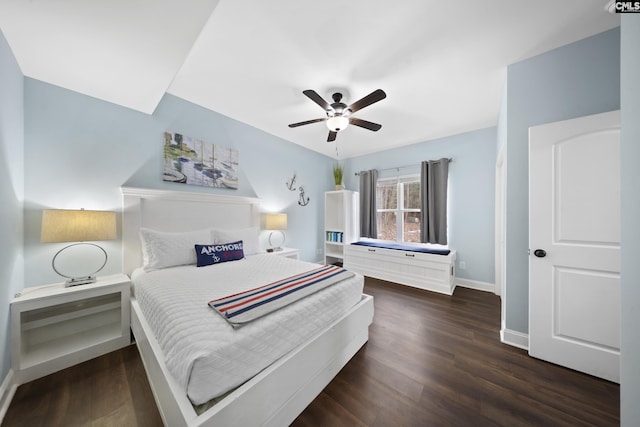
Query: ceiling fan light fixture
column 337, row 123
column 339, row 114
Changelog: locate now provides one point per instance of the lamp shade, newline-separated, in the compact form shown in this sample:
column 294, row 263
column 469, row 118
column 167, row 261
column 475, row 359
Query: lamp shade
column 59, row 225
column 337, row 123
column 276, row 221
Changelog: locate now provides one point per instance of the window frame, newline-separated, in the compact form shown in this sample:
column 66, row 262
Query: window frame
column 400, row 210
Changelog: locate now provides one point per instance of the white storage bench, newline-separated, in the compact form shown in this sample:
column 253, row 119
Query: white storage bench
column 403, row 264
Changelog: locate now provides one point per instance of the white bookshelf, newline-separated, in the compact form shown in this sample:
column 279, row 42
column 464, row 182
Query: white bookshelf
column 54, row 327
column 341, row 219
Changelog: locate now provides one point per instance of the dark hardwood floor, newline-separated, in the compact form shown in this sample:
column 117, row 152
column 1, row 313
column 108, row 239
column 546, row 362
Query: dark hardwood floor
column 431, row 360
column 434, row 360
column 109, row 391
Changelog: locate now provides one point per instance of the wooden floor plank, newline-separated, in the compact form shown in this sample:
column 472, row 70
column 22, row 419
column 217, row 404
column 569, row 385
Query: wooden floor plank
column 451, row 346
column 431, row 360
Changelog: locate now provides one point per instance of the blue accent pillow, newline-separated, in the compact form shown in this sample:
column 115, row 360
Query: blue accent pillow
column 219, row 252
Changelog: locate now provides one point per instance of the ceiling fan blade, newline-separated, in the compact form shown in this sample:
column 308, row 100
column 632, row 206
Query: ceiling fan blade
column 332, row 136
column 364, row 124
column 313, row 95
column 308, row 122
column 373, row 97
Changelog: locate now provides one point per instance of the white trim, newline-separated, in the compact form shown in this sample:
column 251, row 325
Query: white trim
column 186, row 195
column 476, row 284
column 402, row 178
column 7, row 391
column 515, row 338
column 399, row 210
column 499, row 237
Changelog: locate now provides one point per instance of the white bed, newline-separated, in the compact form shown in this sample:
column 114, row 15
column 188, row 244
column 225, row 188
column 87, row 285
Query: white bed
column 278, row 393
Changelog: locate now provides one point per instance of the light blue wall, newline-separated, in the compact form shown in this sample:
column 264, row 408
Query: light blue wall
column 576, row 80
column 502, row 121
column 79, row 151
column 630, row 200
column 11, row 192
column 471, row 191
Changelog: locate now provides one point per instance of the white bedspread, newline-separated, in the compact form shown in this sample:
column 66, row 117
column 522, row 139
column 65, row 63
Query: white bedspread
column 203, row 352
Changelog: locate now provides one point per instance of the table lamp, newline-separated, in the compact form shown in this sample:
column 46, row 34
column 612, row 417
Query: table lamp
column 276, row 222
column 60, row 225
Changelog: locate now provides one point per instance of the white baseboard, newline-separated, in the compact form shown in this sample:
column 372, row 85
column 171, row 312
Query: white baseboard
column 476, row 284
column 7, row 390
column 507, row 336
column 515, row 338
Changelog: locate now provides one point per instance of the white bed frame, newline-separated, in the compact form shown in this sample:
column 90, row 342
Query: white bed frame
column 277, row 395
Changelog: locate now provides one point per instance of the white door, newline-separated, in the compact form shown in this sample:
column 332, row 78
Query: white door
column 574, row 237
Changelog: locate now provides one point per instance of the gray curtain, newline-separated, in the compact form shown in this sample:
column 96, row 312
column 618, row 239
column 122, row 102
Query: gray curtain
column 433, row 201
column 368, row 223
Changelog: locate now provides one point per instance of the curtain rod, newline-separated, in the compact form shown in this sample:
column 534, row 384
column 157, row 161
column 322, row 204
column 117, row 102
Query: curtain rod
column 400, row 167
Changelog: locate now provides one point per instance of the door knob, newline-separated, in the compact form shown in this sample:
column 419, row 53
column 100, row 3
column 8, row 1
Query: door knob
column 540, row 253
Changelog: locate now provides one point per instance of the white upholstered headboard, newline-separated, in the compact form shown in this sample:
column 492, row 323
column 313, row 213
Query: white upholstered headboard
column 167, row 210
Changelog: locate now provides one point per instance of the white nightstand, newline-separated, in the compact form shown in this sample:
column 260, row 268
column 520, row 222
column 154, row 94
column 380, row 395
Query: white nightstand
column 54, row 327
column 288, row 253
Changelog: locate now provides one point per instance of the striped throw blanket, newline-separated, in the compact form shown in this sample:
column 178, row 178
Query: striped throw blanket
column 241, row 308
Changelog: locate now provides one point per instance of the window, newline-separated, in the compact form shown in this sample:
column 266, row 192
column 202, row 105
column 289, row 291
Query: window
column 398, row 209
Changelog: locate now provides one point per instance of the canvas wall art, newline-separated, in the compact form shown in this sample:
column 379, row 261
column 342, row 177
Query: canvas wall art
column 191, row 161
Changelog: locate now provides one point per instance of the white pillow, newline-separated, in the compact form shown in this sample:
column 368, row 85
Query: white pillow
column 162, row 249
column 249, row 237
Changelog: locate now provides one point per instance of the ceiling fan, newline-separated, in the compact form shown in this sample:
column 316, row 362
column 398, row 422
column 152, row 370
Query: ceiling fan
column 339, row 114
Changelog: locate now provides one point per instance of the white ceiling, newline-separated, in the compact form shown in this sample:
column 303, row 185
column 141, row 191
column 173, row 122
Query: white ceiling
column 441, row 63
